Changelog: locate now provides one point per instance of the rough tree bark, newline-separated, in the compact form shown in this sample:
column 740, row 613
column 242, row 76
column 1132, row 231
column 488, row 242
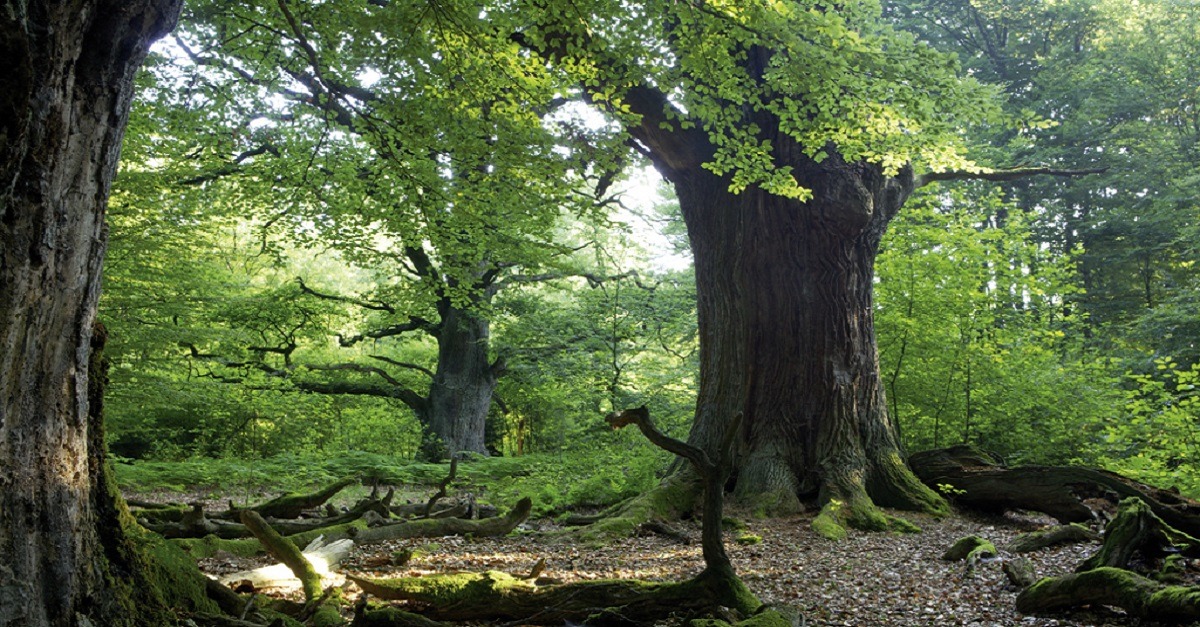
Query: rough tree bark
column 461, row 392
column 64, row 102
column 784, row 301
column 787, row 335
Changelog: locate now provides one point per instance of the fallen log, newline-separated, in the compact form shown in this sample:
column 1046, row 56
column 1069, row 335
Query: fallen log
column 980, row 480
column 323, row 557
column 436, row 527
column 1062, row 534
column 362, row 534
column 291, row 505
column 1138, row 595
column 1103, row 578
column 284, row 551
column 494, row 595
column 1137, row 531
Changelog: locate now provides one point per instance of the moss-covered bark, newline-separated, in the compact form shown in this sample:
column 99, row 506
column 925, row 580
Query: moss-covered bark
column 1136, row 529
column 495, row 595
column 1035, row 540
column 1140, row 596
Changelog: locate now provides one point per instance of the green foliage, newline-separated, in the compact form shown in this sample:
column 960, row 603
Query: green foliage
column 1155, row 438
column 977, row 340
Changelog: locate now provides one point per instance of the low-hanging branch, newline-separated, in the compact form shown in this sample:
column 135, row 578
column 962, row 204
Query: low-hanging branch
column 1009, row 174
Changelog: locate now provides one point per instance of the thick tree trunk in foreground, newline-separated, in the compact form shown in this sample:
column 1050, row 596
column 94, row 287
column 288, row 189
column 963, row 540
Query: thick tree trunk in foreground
column 64, row 101
column 787, row 338
column 461, row 393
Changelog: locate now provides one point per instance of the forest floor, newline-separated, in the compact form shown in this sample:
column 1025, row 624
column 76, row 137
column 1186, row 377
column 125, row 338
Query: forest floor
column 867, row 579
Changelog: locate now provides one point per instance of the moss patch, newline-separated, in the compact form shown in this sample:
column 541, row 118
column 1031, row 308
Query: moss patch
column 670, row 500
column 861, row 514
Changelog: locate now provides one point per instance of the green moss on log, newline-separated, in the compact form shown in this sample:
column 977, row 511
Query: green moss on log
column 1061, row 534
column 495, row 595
column 1141, row 597
column 970, row 548
column 669, row 500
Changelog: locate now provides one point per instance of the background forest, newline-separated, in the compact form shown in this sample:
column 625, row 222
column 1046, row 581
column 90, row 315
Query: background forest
column 285, row 289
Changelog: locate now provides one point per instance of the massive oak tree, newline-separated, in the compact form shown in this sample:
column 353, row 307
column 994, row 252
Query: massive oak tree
column 64, row 101
column 792, row 133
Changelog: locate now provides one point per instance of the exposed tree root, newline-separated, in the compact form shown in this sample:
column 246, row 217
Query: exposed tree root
column 1138, row 595
column 1135, row 537
column 1062, row 534
column 980, row 480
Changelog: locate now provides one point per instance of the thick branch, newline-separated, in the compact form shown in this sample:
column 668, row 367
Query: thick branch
column 672, row 149
column 284, row 551
column 365, row 304
column 417, row 402
column 403, row 364
column 1000, row 175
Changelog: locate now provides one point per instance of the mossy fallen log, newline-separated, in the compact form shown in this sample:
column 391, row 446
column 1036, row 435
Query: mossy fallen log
column 1062, row 534
column 291, row 505
column 1136, row 530
column 436, row 527
column 286, row 552
column 366, row 616
column 982, row 481
column 494, row 595
column 362, row 534
column 1138, row 595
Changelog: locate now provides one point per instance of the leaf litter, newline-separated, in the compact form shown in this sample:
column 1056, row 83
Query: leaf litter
column 864, row 580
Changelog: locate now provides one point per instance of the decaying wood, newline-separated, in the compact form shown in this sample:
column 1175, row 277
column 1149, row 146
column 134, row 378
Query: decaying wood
column 292, row 505
column 323, row 558
column 284, row 551
column 495, row 595
column 1104, row 580
column 981, row 481
column 435, row 527
column 1136, row 530
column 443, row 486
column 1138, row 595
column 1062, row 534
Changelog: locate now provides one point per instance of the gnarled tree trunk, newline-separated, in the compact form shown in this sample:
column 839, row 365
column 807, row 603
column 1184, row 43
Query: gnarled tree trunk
column 64, row 101
column 461, row 392
column 787, row 337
